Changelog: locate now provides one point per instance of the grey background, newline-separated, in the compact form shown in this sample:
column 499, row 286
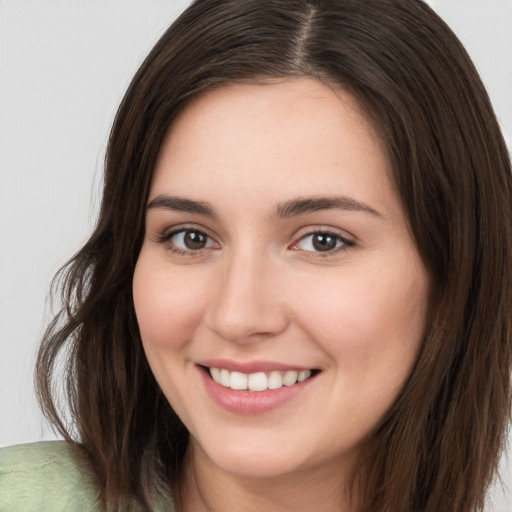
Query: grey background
column 64, row 66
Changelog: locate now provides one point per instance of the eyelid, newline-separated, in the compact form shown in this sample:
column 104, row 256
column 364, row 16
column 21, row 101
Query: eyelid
column 168, row 231
column 348, row 241
column 166, row 235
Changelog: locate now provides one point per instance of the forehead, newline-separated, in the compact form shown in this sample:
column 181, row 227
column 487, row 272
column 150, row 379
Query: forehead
column 295, row 137
column 239, row 106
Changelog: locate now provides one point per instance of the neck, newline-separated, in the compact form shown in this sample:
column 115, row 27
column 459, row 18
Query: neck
column 203, row 487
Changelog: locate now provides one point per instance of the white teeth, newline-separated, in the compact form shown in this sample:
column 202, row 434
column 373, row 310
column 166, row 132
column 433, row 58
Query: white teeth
column 275, row 380
column 259, row 381
column 225, row 378
column 238, row 380
column 303, row 375
column 290, row 378
column 215, row 373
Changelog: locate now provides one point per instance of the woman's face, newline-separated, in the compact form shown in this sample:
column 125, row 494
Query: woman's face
column 277, row 257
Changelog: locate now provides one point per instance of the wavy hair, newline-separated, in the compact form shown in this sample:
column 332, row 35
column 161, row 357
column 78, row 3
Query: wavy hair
column 437, row 449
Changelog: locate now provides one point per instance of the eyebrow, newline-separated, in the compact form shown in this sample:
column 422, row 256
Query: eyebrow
column 182, row 204
column 301, row 206
column 292, row 208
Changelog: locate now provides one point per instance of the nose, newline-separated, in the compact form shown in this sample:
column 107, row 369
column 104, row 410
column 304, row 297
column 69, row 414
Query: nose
column 247, row 304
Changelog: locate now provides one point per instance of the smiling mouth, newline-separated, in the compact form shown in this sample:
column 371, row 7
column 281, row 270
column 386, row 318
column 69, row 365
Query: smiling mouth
column 259, row 381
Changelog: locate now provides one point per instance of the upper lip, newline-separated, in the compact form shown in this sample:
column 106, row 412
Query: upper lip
column 250, row 366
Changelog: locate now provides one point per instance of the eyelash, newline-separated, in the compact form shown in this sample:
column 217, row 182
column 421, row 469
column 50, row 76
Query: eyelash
column 165, row 238
column 345, row 243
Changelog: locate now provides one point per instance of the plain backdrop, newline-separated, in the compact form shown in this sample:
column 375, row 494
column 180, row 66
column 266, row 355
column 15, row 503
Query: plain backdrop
column 64, row 65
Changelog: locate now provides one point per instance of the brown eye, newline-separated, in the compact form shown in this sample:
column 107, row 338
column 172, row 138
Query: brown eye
column 189, row 240
column 195, row 240
column 322, row 242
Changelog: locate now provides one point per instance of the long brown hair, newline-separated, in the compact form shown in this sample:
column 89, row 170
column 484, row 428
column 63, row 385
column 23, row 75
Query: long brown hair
column 438, row 447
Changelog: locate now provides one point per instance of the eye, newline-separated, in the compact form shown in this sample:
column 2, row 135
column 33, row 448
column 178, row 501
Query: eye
column 322, row 242
column 187, row 241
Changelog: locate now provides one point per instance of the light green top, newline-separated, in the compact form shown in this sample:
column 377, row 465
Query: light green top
column 48, row 477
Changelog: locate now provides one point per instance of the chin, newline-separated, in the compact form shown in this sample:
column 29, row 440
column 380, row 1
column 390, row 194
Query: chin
column 257, row 460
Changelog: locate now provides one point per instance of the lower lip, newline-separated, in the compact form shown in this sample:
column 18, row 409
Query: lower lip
column 252, row 402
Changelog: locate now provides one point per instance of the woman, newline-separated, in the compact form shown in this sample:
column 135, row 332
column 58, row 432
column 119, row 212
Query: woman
column 297, row 295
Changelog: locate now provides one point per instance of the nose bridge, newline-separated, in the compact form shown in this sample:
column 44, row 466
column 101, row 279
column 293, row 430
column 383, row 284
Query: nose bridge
column 246, row 302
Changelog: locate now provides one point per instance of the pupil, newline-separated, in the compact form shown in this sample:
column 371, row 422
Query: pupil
column 324, row 242
column 194, row 240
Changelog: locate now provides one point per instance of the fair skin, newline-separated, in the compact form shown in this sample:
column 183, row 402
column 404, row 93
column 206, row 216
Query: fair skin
column 275, row 243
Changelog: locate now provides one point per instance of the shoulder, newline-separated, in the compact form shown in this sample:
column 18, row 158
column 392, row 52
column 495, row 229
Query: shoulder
column 45, row 476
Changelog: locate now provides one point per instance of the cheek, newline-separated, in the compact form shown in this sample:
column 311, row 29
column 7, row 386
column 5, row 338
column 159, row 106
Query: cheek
column 369, row 322
column 168, row 306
